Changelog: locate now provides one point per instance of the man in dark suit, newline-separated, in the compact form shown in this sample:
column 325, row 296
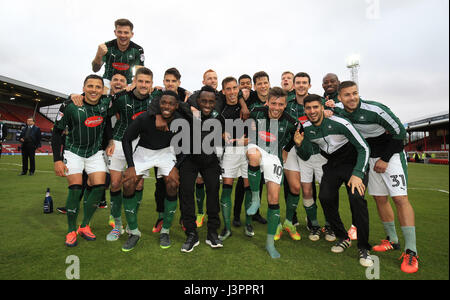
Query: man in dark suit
column 3, row 133
column 30, row 137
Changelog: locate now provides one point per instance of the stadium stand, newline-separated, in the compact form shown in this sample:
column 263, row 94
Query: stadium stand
column 428, row 139
column 21, row 113
column 18, row 101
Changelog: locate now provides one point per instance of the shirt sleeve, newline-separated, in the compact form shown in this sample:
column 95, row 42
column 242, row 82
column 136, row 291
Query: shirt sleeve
column 362, row 148
column 131, row 133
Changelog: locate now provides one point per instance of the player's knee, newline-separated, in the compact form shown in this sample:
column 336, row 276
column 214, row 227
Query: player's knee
column 172, row 188
column 116, row 185
column 140, row 185
column 129, row 188
column 294, row 188
column 401, row 201
column 254, row 157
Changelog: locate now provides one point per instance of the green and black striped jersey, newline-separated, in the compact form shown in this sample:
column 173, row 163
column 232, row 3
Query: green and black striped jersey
column 333, row 137
column 129, row 107
column 86, row 125
column 253, row 101
column 117, row 61
column 272, row 135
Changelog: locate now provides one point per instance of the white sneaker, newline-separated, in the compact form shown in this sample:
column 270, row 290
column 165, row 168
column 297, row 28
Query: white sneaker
column 364, row 258
column 341, row 246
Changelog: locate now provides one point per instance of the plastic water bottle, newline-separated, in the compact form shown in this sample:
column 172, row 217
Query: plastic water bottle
column 48, row 203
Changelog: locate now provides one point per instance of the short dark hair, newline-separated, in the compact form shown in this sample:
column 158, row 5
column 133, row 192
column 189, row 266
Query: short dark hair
column 93, row 76
column 123, row 22
column 172, row 94
column 174, row 72
column 346, row 84
column 245, row 76
column 260, row 74
column 277, row 92
column 207, row 89
column 118, row 73
column 145, row 71
column 303, row 74
column 32, row 118
column 227, row 80
column 312, row 98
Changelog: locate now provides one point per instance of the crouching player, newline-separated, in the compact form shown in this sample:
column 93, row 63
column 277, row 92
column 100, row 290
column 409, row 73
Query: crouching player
column 86, row 127
column 153, row 150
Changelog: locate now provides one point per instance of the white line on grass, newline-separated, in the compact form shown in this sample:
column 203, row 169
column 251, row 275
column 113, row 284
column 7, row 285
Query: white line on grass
column 37, row 171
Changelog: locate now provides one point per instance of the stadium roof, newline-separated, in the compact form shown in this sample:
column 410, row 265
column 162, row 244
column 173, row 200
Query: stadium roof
column 19, row 92
column 425, row 123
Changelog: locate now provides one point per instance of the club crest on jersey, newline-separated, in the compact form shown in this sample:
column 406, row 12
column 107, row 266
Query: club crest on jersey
column 137, row 115
column 93, row 121
column 120, row 66
column 303, row 119
column 267, row 136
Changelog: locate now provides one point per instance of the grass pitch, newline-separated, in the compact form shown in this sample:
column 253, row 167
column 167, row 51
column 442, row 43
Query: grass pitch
column 32, row 243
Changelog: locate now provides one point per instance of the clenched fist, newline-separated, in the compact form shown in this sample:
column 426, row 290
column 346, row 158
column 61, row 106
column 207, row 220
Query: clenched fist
column 102, row 50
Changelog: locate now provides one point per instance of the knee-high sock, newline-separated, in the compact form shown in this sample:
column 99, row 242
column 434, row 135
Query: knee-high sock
column 170, row 208
column 116, row 207
column 254, row 178
column 273, row 219
column 311, row 211
column 130, row 207
column 225, row 203
column 409, row 232
column 389, row 228
column 73, row 206
column 291, row 205
column 116, row 203
column 138, row 199
column 248, row 202
column 91, row 203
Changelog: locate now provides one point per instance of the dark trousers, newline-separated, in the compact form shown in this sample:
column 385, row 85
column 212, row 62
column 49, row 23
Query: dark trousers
column 1, row 149
column 333, row 177
column 28, row 152
column 160, row 192
column 188, row 175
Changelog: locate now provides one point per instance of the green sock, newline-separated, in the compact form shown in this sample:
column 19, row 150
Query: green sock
column 225, row 203
column 247, row 203
column 200, row 196
column 273, row 219
column 170, row 207
column 116, row 204
column 389, row 228
column 254, row 178
column 291, row 205
column 92, row 201
column 138, row 199
column 73, row 206
column 130, row 207
column 409, row 232
column 311, row 211
column 161, row 215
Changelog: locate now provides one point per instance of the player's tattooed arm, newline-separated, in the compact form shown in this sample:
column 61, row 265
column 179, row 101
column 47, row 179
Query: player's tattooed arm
column 98, row 60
